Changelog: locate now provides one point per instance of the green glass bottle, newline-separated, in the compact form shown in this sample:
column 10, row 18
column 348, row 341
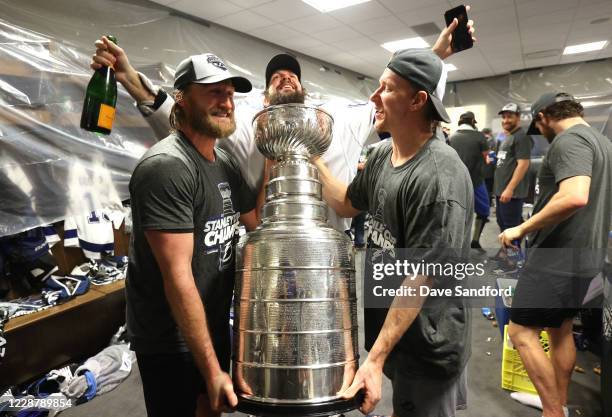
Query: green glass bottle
column 100, row 100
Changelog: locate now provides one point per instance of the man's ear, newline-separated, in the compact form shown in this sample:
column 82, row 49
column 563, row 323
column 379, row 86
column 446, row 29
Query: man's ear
column 419, row 100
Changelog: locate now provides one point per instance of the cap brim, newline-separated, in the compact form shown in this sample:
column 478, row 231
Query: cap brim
column 533, row 130
column 241, row 84
column 439, row 109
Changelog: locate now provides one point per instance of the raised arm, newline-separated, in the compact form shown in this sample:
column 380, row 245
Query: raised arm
column 442, row 47
column 108, row 54
column 152, row 101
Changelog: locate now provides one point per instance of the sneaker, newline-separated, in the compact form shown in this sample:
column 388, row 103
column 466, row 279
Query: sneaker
column 476, row 245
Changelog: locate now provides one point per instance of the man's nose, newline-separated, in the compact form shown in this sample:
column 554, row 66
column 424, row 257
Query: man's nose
column 375, row 95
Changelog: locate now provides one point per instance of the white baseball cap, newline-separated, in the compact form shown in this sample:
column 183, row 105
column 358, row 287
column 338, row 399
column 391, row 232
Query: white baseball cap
column 207, row 69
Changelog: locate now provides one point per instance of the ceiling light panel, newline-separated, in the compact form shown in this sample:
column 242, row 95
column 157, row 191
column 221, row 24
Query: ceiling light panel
column 584, row 47
column 325, row 6
column 416, row 42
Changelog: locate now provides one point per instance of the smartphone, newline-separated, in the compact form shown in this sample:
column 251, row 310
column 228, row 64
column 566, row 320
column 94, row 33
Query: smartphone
column 461, row 37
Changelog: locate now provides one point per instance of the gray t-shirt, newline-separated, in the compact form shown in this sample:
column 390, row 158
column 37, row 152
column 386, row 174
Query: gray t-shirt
column 516, row 146
column 578, row 151
column 174, row 188
column 426, row 202
column 470, row 144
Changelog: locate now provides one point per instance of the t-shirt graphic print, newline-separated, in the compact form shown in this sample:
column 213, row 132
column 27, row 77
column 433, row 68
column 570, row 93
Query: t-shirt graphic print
column 219, row 232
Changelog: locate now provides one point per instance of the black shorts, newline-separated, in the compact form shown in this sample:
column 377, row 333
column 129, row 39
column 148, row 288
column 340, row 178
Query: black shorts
column 546, row 299
column 171, row 384
column 542, row 317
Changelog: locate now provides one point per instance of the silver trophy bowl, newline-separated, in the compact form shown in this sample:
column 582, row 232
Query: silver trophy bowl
column 295, row 310
column 292, row 129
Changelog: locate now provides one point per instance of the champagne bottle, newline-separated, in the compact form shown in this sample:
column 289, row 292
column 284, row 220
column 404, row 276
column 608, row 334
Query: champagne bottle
column 100, row 100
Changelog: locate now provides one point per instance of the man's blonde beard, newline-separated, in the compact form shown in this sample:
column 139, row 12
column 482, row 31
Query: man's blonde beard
column 206, row 125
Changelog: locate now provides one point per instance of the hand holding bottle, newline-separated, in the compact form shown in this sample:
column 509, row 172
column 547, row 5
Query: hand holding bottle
column 109, row 54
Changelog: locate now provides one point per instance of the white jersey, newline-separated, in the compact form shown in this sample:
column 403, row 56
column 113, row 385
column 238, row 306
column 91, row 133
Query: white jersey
column 353, row 129
column 93, row 232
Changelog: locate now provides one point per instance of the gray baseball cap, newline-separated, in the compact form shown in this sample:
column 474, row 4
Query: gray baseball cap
column 510, row 107
column 545, row 100
column 423, row 68
column 207, row 69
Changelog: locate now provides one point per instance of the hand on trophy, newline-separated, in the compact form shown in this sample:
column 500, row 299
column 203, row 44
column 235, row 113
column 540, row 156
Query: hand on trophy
column 221, row 393
column 368, row 378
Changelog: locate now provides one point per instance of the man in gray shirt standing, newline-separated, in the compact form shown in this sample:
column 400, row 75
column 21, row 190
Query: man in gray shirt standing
column 567, row 238
column 419, row 195
column 472, row 148
column 511, row 183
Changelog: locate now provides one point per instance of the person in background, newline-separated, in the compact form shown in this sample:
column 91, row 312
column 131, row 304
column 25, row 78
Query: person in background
column 472, row 148
column 488, row 170
column 568, row 235
column 446, row 133
column 510, row 180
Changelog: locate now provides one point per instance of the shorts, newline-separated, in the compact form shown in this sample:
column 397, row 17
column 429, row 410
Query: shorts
column 509, row 214
column 547, row 300
column 542, row 317
column 171, row 384
column 481, row 201
column 418, row 396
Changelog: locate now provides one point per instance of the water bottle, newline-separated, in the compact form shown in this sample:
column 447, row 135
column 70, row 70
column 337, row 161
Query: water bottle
column 492, row 157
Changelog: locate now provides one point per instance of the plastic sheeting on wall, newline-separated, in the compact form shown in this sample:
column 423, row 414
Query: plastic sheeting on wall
column 49, row 167
column 589, row 82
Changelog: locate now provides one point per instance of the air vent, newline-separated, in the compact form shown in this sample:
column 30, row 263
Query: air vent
column 548, row 53
column 426, row 29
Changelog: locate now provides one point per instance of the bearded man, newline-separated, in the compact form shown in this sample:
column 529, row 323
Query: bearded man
column 187, row 200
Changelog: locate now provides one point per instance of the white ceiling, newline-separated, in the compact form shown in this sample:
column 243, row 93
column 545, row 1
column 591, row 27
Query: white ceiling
column 512, row 34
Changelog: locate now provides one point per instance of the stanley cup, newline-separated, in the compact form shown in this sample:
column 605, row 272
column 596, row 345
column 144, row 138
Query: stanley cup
column 295, row 314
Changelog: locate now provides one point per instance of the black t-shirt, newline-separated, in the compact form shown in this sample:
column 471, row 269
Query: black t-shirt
column 426, row 202
column 470, row 144
column 174, row 188
column 516, row 146
column 582, row 238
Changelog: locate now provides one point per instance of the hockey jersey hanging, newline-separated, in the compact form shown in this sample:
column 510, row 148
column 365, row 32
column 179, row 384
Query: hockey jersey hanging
column 93, row 233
